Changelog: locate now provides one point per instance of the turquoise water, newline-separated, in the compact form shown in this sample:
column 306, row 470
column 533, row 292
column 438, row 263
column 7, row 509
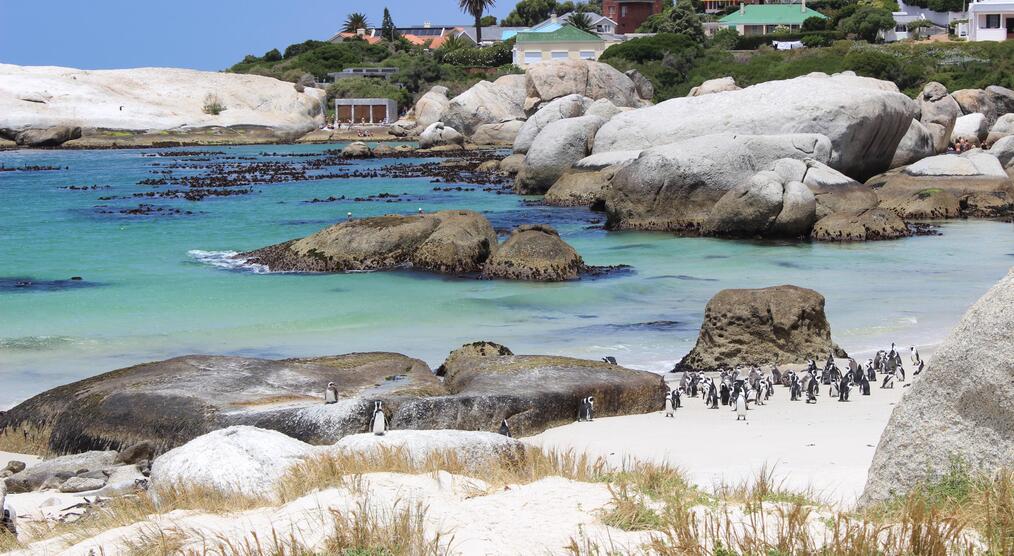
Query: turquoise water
column 146, row 296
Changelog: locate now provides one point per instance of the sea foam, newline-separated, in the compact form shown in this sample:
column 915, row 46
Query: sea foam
column 227, row 260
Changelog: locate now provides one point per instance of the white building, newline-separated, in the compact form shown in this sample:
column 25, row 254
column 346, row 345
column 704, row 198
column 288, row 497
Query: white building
column 991, row 20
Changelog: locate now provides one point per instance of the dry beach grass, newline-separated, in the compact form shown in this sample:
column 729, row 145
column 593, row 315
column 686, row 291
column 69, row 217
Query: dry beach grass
column 962, row 513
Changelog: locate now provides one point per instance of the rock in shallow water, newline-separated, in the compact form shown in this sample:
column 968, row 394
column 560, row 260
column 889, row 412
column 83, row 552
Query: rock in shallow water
column 536, row 253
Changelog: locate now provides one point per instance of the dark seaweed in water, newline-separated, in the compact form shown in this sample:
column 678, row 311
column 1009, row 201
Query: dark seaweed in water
column 21, row 284
column 681, row 277
column 632, row 327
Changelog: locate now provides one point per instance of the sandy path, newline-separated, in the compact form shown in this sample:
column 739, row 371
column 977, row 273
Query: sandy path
column 828, row 446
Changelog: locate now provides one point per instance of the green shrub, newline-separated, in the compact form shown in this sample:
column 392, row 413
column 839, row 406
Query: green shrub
column 753, row 42
column 816, row 41
column 273, row 55
column 213, row 105
column 366, row 87
column 867, row 22
column 814, row 23
column 645, row 49
column 488, row 56
column 725, row 39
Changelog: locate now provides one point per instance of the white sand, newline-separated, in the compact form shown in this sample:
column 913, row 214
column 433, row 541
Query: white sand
column 828, row 446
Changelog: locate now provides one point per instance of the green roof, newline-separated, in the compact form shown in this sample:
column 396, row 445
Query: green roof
column 567, row 33
column 770, row 14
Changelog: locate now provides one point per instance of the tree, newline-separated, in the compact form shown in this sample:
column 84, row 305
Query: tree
column 867, row 23
column 725, row 39
column 582, row 21
column 387, row 29
column 916, row 27
column 680, row 19
column 532, row 12
column 488, row 20
column 475, row 8
column 354, row 22
column 814, row 23
column 452, row 43
column 273, row 55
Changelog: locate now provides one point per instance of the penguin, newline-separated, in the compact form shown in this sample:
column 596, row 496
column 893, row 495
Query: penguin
column 713, row 396
column 8, row 516
column 813, row 388
column 878, row 361
column 833, row 390
column 899, row 367
column 741, row 407
column 670, row 411
column 725, row 394
column 586, row 409
column 922, row 365
column 888, row 380
column 331, row 393
column 378, row 423
column 843, row 388
column 794, row 388
column 609, row 359
column 776, row 375
column 676, row 401
column 871, row 372
column 915, row 355
column 505, row 429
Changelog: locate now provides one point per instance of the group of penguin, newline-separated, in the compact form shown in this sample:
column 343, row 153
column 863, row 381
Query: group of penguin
column 740, row 387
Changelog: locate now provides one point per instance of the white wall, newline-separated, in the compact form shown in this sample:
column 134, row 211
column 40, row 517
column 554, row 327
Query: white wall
column 942, row 19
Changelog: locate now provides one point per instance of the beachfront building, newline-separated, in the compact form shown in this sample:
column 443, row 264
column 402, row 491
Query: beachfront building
column 762, row 19
column 562, row 44
column 428, row 35
column 365, row 110
column 991, row 20
column 630, row 14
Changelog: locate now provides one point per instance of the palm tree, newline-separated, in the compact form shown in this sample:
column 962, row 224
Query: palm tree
column 354, row 22
column 581, row 20
column 475, row 8
column 452, row 43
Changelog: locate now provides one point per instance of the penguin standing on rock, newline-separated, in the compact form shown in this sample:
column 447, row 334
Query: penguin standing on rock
column 331, row 393
column 505, row 429
column 378, row 423
column 586, row 409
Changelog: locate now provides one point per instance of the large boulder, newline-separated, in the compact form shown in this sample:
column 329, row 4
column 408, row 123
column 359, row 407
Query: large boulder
column 430, row 107
column 437, row 135
column 512, row 164
column 534, row 252
column 776, row 325
column 771, row 203
column 532, row 392
column 240, row 460
column 45, row 137
column 357, row 149
column 171, row 402
column 457, row 357
column 674, row 187
column 570, row 106
column 973, row 128
column 863, row 118
column 717, row 85
column 960, row 409
column 976, row 101
column 938, row 112
column 580, row 188
column 487, row 103
column 55, row 471
column 499, row 134
column 559, row 145
column 51, row 102
column 446, row 241
column 1002, row 98
column 948, row 186
column 866, row 225
column 475, row 450
column 1003, row 150
column 1003, row 127
column 642, row 84
column 917, row 144
column 551, row 80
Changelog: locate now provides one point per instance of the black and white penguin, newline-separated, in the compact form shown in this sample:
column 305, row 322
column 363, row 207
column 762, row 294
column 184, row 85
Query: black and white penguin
column 843, row 388
column 586, row 409
column 922, row 365
column 378, row 422
column 725, row 393
column 669, row 408
column 915, row 356
column 812, row 390
column 871, row 371
column 833, row 390
column 888, row 380
column 864, row 386
column 505, row 429
column 712, row 397
column 331, row 393
column 677, row 402
column 741, row 406
column 795, row 390
column 609, row 359
column 899, row 367
column 8, row 515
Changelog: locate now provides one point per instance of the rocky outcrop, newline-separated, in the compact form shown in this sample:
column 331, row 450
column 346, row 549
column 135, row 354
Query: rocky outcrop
column 960, row 409
column 863, row 118
column 430, row 107
column 52, row 473
column 971, row 127
column 551, row 80
column 776, row 325
column 437, row 134
column 1002, row 97
column 603, row 108
column 469, row 351
column 674, row 187
column 1003, row 150
column 46, row 137
column 948, row 186
column 536, row 253
column 512, row 164
column 642, row 84
column 938, row 111
column 976, row 101
column 1003, row 127
column 580, row 188
column 772, row 202
column 917, row 144
column 557, row 146
column 487, row 103
column 500, row 133
column 172, row 402
column 711, row 86
column 569, row 106
column 47, row 104
column 238, row 461
column 446, row 239
column 866, row 225
column 357, row 149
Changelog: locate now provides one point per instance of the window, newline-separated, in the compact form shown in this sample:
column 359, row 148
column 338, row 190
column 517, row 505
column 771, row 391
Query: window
column 533, row 56
column 559, row 55
column 992, row 21
column 587, row 55
column 623, row 11
column 901, row 28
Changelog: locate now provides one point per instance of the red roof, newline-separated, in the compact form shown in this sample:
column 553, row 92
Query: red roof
column 367, row 38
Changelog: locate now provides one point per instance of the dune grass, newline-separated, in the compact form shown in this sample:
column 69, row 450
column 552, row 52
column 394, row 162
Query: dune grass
column 962, row 513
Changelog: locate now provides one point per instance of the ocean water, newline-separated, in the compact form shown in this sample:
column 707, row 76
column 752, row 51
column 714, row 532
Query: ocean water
column 158, row 286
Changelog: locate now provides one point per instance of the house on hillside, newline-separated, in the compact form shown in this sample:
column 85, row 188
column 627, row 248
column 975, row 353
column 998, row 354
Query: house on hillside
column 762, row 19
column 601, row 25
column 991, row 20
column 630, row 14
column 431, row 36
column 565, row 43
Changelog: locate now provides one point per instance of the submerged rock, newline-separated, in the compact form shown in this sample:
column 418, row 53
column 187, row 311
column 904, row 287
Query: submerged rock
column 536, row 253
column 357, row 149
column 776, row 325
column 960, row 411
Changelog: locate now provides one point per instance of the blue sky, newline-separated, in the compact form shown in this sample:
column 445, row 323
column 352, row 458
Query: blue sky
column 200, row 34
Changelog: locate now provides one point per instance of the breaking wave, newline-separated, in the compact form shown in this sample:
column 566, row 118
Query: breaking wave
column 227, row 260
